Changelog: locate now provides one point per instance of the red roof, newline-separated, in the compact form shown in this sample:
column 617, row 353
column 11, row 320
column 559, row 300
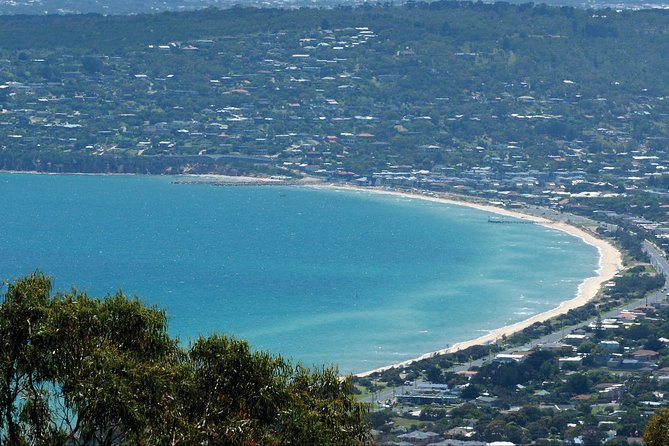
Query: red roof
column 645, row 353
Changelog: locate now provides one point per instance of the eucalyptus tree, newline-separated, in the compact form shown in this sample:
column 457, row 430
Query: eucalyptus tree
column 77, row 370
column 657, row 430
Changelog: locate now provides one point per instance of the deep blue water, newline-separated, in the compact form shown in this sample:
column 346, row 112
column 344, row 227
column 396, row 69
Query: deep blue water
column 324, row 277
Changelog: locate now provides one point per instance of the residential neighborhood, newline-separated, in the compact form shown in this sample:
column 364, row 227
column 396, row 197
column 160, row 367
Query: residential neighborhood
column 596, row 383
column 338, row 96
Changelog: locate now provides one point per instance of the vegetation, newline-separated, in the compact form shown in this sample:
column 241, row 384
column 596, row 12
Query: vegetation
column 441, row 86
column 541, row 398
column 524, row 103
column 77, row 370
column 512, row 103
column 633, row 284
column 657, row 431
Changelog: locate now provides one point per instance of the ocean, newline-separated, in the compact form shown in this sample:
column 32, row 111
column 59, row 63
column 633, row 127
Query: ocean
column 324, row 277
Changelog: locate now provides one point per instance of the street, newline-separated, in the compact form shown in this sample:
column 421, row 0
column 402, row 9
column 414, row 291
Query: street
column 658, row 261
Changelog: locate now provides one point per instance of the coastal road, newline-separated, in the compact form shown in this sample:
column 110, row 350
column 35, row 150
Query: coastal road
column 658, row 261
column 660, row 264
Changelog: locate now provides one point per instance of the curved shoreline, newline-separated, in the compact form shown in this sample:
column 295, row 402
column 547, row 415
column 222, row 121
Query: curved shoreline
column 610, row 262
column 610, row 259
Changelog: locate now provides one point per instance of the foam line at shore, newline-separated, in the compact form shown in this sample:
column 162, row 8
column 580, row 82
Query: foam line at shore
column 610, row 262
column 610, row 259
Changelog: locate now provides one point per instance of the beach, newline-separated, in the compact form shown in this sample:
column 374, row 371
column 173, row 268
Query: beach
column 184, row 219
column 610, row 263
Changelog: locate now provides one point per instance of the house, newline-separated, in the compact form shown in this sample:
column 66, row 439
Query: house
column 612, row 346
column 575, row 339
column 644, row 309
column 459, row 432
column 524, row 353
column 509, row 357
column 601, row 360
column 573, row 361
column 467, row 373
column 553, row 346
column 610, row 392
column 645, row 355
column 486, row 400
column 419, row 438
column 452, row 442
column 630, row 364
column 426, row 399
column 629, row 315
column 395, row 443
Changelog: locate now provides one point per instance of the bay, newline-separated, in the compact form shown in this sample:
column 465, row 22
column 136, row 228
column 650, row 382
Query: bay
column 355, row 279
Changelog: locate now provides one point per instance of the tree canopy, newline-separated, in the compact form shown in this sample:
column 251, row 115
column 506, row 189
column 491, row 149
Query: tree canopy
column 657, row 430
column 441, row 86
column 78, row 370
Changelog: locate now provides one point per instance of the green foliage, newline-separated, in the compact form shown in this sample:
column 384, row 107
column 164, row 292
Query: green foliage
column 657, row 430
column 379, row 418
column 79, row 370
column 432, row 414
column 434, row 374
column 446, row 85
column 470, row 392
column 92, row 64
column 577, row 384
column 538, row 365
column 495, row 431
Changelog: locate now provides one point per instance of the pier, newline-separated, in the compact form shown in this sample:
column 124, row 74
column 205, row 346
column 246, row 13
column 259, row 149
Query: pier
column 238, row 183
column 509, row 222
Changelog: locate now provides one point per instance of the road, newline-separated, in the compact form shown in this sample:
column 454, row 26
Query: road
column 658, row 261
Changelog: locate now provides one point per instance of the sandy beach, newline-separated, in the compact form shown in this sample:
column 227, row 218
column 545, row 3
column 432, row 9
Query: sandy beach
column 610, row 259
column 610, row 262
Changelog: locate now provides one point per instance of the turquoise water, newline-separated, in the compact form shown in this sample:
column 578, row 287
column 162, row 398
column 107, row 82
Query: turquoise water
column 321, row 276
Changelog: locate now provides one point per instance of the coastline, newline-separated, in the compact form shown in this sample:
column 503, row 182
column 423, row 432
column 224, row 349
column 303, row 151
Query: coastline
column 610, row 263
column 241, row 179
column 610, row 259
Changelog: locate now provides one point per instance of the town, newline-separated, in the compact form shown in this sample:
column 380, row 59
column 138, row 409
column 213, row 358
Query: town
column 354, row 102
column 519, row 106
column 591, row 382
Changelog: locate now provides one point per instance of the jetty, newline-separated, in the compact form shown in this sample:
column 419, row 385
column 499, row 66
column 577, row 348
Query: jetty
column 238, row 183
column 507, row 221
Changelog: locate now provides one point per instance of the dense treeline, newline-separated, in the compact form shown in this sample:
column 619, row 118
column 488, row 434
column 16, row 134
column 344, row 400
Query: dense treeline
column 562, row 38
column 58, row 162
column 96, row 32
column 76, row 370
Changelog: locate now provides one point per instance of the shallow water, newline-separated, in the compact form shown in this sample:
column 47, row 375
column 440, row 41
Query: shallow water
column 356, row 279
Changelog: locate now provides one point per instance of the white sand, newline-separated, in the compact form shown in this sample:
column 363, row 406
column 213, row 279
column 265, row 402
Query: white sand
column 610, row 262
column 610, row 259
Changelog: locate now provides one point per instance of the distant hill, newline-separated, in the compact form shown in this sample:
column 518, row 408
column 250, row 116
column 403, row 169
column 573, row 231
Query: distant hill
column 121, row 7
column 101, row 6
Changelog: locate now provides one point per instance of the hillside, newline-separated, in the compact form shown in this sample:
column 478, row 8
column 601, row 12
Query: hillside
column 342, row 92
